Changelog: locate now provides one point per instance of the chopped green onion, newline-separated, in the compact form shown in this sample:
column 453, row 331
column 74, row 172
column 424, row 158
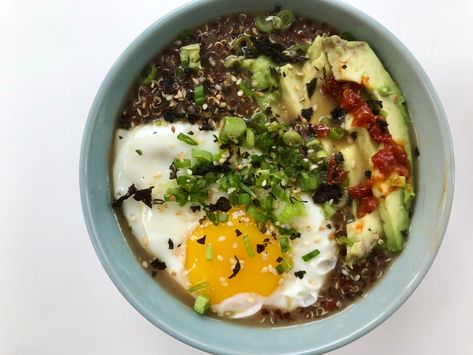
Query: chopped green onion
column 152, row 72
column 185, row 163
column 222, row 217
column 242, row 41
column 197, row 287
column 311, row 255
column 385, row 91
column 328, row 209
column 249, row 139
column 292, row 138
column 322, row 154
column 284, row 243
column 268, row 24
column 279, row 268
column 285, row 266
column 244, row 199
column 232, row 61
column 199, row 95
column 307, row 182
column 336, row 133
column 287, row 18
column 290, row 211
column 201, row 304
column 345, row 241
column 313, row 143
column 190, row 56
column 246, row 90
column 233, row 127
column 208, row 252
column 247, row 243
column 186, row 139
column 202, row 155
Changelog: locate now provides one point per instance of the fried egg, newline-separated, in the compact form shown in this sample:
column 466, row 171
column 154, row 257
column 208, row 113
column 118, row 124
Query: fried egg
column 236, row 259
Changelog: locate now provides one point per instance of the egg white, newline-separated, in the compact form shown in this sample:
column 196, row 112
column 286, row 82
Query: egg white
column 143, row 156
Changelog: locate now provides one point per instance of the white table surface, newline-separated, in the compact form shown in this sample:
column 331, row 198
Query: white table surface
column 55, row 298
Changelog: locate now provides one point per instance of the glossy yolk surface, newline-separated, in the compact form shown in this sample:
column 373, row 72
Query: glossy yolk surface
column 257, row 273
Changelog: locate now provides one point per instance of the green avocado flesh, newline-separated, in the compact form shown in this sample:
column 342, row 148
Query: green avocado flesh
column 356, row 62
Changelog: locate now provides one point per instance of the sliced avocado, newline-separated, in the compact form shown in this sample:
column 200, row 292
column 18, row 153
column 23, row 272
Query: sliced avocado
column 294, row 80
column 363, row 140
column 395, row 218
column 354, row 163
column 293, row 92
column 355, row 61
column 364, row 234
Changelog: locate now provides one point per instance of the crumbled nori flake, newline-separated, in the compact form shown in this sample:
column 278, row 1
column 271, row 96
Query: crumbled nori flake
column 256, row 202
column 153, row 273
column 300, row 274
column 139, row 152
column 327, row 192
column 329, row 226
column 171, row 116
column 416, row 152
column 375, row 106
column 172, row 172
column 260, row 248
column 294, row 235
column 307, row 113
column 158, row 264
column 310, row 86
column 236, row 269
column 195, row 208
column 339, row 158
column 170, row 243
column 206, row 126
column 222, row 204
column 237, row 232
column 279, row 259
column 382, row 124
column 404, row 233
column 262, row 45
column 368, row 174
column 143, row 195
column 338, row 114
column 201, row 240
column 274, row 72
column 344, row 66
column 268, row 111
column 201, row 170
column 354, row 135
column 120, row 137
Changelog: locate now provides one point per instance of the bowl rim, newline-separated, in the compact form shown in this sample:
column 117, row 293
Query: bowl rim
column 128, row 293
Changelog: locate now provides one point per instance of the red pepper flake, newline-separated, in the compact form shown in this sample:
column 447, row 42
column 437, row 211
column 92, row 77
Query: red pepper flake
column 363, row 191
column 367, row 205
column 320, row 130
column 391, row 158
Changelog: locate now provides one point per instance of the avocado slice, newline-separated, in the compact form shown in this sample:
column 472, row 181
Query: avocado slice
column 355, row 61
column 364, row 233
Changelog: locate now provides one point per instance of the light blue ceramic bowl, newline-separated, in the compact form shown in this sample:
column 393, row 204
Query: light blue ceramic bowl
column 434, row 197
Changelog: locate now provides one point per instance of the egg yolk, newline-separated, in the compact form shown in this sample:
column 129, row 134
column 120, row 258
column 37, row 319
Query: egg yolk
column 212, row 252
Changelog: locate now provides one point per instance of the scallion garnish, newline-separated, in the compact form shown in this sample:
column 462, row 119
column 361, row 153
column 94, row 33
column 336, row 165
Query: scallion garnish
column 222, row 217
column 184, row 163
column 197, row 287
column 284, row 243
column 199, row 95
column 201, row 304
column 202, row 155
column 244, row 199
column 248, row 247
column 186, row 139
column 208, row 252
column 311, row 255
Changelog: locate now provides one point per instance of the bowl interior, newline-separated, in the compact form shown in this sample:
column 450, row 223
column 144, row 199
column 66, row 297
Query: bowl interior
column 435, row 176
